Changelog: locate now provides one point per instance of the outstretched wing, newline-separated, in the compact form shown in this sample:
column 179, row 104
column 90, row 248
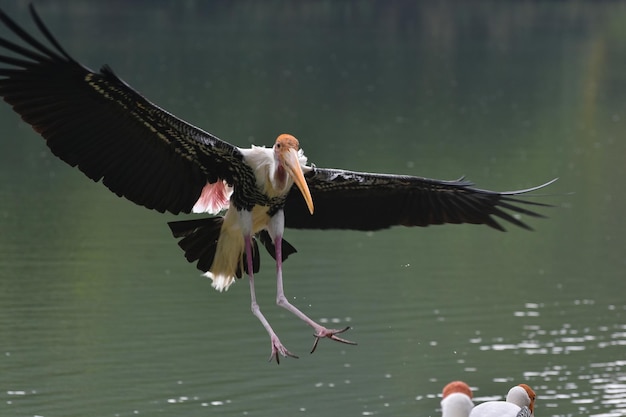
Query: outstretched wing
column 364, row 201
column 95, row 121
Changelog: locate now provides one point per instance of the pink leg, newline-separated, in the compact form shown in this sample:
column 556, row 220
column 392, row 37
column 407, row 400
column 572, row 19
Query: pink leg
column 281, row 300
column 277, row 346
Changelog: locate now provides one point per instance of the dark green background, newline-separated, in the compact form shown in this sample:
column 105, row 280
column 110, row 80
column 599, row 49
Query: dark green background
column 100, row 314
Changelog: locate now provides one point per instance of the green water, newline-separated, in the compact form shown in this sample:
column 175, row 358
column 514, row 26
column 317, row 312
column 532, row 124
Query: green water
column 100, row 314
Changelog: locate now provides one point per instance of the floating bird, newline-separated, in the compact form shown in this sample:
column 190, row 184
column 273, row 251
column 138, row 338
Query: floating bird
column 456, row 400
column 520, row 402
column 95, row 121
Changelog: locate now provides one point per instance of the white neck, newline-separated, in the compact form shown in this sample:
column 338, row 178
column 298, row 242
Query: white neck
column 263, row 162
column 456, row 405
column 518, row 396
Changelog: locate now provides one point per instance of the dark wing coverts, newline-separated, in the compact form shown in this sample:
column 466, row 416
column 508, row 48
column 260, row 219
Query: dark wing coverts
column 97, row 122
column 364, row 201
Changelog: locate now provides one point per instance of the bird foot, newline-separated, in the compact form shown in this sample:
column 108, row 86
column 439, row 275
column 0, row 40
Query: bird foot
column 278, row 348
column 331, row 334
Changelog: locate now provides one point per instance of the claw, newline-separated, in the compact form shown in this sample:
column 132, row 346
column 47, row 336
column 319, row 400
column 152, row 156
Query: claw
column 331, row 334
column 278, row 348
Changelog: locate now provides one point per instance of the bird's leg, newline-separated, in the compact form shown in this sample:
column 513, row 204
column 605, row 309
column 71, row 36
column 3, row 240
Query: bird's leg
column 277, row 346
column 275, row 229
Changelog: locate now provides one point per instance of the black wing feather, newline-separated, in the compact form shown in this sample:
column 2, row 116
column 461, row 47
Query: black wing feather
column 97, row 122
column 365, row 201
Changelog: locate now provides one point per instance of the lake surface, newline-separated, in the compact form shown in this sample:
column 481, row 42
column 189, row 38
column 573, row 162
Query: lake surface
column 101, row 315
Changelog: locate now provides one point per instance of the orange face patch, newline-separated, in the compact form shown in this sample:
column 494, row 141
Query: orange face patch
column 287, row 141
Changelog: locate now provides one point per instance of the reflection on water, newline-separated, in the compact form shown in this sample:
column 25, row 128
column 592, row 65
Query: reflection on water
column 101, row 315
column 595, row 388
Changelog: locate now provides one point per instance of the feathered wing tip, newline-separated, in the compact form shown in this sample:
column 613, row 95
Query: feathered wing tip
column 507, row 200
column 43, row 52
column 46, row 32
column 531, row 189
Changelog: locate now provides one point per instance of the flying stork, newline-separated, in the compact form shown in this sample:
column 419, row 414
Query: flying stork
column 93, row 120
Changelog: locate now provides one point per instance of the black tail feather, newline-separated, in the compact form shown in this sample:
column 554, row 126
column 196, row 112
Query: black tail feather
column 266, row 240
column 199, row 241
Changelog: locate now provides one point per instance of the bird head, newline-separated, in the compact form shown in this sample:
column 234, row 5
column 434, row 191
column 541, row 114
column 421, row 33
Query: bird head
column 531, row 396
column 523, row 396
column 286, row 152
column 457, row 387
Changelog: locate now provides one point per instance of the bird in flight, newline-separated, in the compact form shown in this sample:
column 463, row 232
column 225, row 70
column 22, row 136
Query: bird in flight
column 95, row 121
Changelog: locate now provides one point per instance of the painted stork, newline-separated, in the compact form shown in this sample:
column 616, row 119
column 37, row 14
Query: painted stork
column 456, row 400
column 95, row 121
column 520, row 402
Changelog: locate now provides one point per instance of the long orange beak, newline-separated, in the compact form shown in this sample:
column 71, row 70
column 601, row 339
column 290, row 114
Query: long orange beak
column 292, row 164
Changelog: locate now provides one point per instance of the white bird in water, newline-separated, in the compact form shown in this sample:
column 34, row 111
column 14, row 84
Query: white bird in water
column 456, row 400
column 520, row 402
